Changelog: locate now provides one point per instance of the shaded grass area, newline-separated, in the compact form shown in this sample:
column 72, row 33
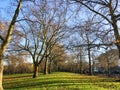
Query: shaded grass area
column 59, row 81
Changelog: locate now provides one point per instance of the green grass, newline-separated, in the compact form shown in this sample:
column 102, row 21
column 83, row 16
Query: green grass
column 59, row 81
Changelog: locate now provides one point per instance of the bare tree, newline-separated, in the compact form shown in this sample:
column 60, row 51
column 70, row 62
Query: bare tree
column 108, row 60
column 16, row 63
column 109, row 11
column 87, row 31
column 5, row 41
column 42, row 29
column 80, row 57
column 57, row 56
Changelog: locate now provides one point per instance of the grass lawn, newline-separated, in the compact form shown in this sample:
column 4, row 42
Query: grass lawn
column 59, row 81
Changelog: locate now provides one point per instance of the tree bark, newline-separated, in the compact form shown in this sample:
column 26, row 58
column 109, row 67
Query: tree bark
column 35, row 74
column 46, row 66
column 81, row 63
column 1, row 70
column 118, row 46
column 6, row 41
column 90, row 67
column 50, row 67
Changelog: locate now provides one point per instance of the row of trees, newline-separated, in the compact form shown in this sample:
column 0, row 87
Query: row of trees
column 105, row 63
column 100, row 29
column 18, row 62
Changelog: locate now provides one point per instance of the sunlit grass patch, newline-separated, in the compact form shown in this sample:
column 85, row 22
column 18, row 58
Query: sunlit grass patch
column 59, row 81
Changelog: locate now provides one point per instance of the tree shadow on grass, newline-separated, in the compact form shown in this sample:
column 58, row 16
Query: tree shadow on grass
column 38, row 83
column 64, row 85
column 51, row 82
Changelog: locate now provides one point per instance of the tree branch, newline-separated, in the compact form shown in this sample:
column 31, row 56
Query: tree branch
column 84, row 4
column 1, row 38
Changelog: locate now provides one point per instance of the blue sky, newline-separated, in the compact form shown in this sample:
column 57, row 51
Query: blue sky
column 4, row 9
column 4, row 3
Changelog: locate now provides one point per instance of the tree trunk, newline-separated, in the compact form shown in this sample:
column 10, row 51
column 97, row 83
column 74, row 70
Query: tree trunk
column 1, row 71
column 81, row 63
column 93, row 68
column 6, row 41
column 35, row 74
column 46, row 66
column 118, row 47
column 90, row 67
column 108, row 71
column 50, row 67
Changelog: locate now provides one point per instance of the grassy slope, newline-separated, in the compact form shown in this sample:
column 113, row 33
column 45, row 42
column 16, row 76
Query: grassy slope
column 59, row 81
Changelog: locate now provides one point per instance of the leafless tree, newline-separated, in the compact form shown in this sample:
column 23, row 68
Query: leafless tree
column 87, row 31
column 43, row 27
column 57, row 57
column 108, row 60
column 109, row 11
column 4, row 42
column 17, row 63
